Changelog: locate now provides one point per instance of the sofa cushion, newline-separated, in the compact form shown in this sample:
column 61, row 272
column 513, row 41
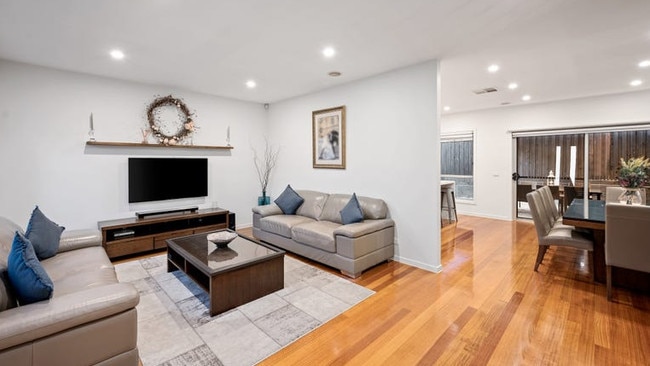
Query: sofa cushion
column 28, row 278
column 333, row 206
column 282, row 224
column 313, row 205
column 79, row 269
column 7, row 296
column 7, row 232
column 43, row 234
column 317, row 234
column 373, row 208
column 351, row 213
column 289, row 201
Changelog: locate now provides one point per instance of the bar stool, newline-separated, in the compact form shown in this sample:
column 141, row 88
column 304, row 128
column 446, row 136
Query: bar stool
column 448, row 199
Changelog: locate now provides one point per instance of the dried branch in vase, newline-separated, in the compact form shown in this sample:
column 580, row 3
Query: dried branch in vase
column 265, row 165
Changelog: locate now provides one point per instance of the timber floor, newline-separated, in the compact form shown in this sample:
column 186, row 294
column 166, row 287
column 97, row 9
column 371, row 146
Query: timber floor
column 487, row 307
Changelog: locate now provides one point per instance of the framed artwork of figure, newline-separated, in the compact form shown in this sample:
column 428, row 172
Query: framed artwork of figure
column 328, row 134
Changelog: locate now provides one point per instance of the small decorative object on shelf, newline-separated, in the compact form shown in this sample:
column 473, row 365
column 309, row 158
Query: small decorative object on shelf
column 222, row 238
column 228, row 136
column 170, row 131
column 145, row 134
column 264, row 168
column 632, row 175
column 91, row 132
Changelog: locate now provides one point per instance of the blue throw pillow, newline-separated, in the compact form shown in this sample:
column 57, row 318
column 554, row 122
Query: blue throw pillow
column 44, row 234
column 28, row 278
column 289, row 201
column 352, row 212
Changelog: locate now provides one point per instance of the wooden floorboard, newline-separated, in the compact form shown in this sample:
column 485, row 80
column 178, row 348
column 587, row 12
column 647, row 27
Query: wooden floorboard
column 487, row 307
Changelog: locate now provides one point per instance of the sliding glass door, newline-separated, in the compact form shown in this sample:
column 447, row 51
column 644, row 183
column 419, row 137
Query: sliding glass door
column 557, row 159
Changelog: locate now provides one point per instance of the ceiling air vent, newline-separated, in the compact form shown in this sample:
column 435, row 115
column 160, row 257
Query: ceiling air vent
column 485, row 91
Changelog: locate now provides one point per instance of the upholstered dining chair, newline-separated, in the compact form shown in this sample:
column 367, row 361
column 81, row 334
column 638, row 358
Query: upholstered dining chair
column 551, row 212
column 559, row 235
column 627, row 229
column 612, row 193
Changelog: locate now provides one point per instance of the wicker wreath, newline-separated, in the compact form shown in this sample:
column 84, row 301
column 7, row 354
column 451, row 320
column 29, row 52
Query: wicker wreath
column 184, row 130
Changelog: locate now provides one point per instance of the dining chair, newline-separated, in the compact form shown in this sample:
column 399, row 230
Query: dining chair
column 612, row 194
column 551, row 212
column 559, row 235
column 627, row 229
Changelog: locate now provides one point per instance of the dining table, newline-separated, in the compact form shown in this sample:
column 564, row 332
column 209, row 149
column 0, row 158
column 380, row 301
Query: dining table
column 590, row 215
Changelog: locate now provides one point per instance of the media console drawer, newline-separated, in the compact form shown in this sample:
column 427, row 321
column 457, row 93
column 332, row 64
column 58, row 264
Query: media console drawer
column 128, row 246
column 137, row 235
column 159, row 241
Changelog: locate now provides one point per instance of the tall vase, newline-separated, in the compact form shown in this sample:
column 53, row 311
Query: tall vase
column 263, row 199
column 630, row 196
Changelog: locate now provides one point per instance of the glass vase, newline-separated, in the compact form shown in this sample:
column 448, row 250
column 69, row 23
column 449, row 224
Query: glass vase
column 263, row 200
column 630, row 196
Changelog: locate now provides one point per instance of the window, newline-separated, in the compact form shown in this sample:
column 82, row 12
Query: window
column 457, row 162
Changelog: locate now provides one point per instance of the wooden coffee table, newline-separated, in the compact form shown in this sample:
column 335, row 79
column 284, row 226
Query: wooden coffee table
column 242, row 272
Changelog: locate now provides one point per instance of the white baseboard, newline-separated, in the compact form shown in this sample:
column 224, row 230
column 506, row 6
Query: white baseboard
column 502, row 218
column 418, row 264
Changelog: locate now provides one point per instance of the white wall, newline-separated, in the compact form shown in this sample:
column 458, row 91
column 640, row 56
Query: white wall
column 493, row 186
column 44, row 121
column 392, row 139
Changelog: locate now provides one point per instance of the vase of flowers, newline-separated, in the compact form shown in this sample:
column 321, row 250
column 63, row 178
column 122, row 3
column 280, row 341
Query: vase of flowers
column 632, row 175
column 264, row 166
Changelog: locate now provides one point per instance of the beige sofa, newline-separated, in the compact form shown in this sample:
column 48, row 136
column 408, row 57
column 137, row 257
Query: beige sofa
column 90, row 319
column 316, row 231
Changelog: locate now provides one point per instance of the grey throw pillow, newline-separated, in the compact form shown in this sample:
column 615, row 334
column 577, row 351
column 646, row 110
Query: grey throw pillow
column 352, row 212
column 44, row 234
column 289, row 201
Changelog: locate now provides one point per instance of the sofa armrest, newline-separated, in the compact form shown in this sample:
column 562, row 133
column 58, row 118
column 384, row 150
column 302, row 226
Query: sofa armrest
column 267, row 210
column 77, row 239
column 40, row 319
column 362, row 228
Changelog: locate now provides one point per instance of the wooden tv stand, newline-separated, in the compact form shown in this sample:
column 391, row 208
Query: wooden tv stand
column 129, row 236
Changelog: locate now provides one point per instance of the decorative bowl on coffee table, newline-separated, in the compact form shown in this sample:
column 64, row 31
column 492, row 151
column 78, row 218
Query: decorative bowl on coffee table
column 222, row 238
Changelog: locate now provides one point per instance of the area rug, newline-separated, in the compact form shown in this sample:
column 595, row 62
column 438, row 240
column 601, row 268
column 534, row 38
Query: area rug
column 175, row 327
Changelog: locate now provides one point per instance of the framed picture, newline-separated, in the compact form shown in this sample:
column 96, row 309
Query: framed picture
column 328, row 134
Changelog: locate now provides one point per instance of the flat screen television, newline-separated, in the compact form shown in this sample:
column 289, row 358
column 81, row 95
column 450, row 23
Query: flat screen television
column 157, row 179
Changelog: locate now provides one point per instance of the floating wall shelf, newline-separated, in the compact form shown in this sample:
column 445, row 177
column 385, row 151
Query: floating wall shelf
column 136, row 144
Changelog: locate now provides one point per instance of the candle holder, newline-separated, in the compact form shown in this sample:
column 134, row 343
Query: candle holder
column 91, row 132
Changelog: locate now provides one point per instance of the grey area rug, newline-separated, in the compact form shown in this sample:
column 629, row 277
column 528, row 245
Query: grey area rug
column 175, row 327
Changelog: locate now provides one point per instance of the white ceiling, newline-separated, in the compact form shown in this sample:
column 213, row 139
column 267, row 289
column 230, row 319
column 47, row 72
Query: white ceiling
column 554, row 49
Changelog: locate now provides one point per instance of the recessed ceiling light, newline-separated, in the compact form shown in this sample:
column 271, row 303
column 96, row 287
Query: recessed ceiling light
column 329, row 52
column 334, row 74
column 513, row 86
column 446, row 108
column 251, row 84
column 644, row 63
column 117, row 54
column 636, row 82
column 493, row 68
column 525, row 98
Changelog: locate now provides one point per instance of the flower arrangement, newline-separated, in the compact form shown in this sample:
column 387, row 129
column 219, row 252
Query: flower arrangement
column 633, row 173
